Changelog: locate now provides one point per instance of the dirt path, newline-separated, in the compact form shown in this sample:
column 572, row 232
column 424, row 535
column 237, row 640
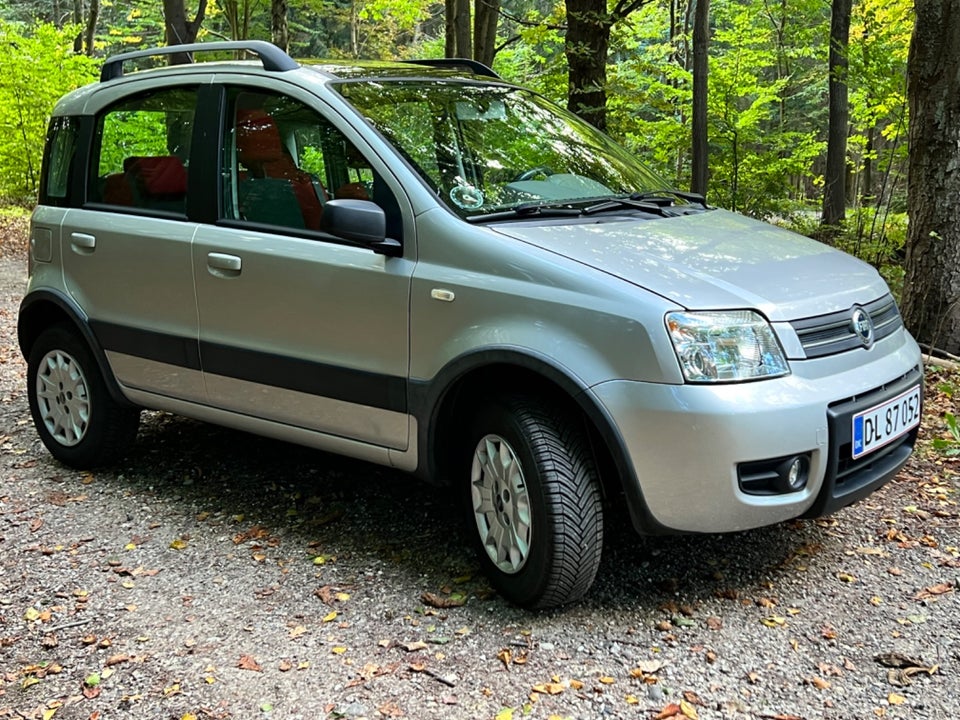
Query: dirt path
column 214, row 574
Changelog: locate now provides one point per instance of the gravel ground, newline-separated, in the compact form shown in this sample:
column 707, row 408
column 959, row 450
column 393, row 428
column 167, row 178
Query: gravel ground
column 212, row 574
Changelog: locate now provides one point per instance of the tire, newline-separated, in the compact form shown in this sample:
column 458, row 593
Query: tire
column 75, row 416
column 533, row 502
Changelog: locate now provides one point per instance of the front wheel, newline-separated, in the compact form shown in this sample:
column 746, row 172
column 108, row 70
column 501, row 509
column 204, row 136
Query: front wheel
column 78, row 421
column 534, row 502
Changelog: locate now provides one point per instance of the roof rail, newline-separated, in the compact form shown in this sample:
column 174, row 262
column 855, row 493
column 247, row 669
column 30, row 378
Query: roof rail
column 474, row 66
column 272, row 57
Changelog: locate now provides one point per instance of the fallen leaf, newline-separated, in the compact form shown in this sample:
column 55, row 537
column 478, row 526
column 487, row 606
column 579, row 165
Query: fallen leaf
column 933, row 591
column 819, row 683
column 330, row 616
column 439, row 601
column 669, row 711
column 505, row 656
column 688, row 710
column 338, row 650
column 285, row 666
column 247, row 662
column 895, row 699
column 414, row 646
column 714, row 623
column 390, row 709
column 607, row 680
column 504, row 714
column 846, row 577
column 36, row 524
column 297, row 631
column 774, row 621
column 178, row 544
column 552, row 688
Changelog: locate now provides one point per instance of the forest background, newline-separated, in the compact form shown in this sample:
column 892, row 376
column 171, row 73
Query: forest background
column 765, row 107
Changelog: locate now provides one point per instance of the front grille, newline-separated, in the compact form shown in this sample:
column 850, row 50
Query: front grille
column 831, row 334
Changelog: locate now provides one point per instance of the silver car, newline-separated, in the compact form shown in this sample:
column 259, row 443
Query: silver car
column 426, row 267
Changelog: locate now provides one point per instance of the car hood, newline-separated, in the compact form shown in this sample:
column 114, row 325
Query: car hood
column 714, row 260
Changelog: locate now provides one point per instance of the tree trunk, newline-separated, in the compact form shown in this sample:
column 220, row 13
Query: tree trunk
column 834, row 191
column 449, row 28
column 461, row 28
column 485, row 16
column 588, row 37
column 179, row 30
column 279, row 32
column 78, row 20
column 931, row 302
column 91, row 29
column 701, row 43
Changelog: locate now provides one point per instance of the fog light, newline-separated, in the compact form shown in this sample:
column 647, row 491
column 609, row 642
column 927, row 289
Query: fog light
column 792, row 474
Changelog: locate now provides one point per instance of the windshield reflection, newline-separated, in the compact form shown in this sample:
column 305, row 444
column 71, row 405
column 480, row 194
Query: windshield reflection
column 485, row 148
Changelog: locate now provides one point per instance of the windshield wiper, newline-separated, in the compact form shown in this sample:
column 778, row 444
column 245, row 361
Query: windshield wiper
column 663, row 194
column 525, row 210
column 620, row 203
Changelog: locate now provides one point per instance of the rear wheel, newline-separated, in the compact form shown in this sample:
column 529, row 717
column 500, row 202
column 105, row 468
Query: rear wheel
column 78, row 421
column 534, row 503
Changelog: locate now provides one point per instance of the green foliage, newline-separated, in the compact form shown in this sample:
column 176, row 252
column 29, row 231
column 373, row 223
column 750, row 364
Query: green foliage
column 767, row 90
column 37, row 66
column 951, row 445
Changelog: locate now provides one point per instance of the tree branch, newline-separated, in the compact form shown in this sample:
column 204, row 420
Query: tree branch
column 530, row 23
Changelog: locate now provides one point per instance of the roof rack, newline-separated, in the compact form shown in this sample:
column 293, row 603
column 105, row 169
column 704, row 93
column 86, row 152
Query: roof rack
column 273, row 58
column 474, row 66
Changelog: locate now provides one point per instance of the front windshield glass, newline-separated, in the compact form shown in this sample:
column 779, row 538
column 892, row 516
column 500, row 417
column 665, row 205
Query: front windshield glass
column 486, row 148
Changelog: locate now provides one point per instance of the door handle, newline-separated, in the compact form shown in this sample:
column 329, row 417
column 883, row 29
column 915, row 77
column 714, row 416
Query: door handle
column 223, row 265
column 82, row 243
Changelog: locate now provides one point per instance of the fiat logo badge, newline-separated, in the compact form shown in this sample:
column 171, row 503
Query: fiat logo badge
column 862, row 326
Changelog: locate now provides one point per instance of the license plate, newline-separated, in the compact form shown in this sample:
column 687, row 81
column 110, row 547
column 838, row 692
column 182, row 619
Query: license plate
column 884, row 423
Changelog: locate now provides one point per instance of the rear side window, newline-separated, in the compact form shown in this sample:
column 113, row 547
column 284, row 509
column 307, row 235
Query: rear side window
column 61, row 146
column 142, row 155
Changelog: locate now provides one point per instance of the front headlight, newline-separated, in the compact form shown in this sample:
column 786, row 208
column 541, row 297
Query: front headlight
column 725, row 346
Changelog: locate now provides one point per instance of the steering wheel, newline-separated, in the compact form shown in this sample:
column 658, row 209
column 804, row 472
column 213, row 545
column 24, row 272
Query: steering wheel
column 532, row 173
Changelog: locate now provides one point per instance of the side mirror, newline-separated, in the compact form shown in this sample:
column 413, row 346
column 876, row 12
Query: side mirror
column 359, row 221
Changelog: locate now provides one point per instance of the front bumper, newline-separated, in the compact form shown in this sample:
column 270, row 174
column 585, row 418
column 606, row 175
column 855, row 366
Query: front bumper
column 685, row 442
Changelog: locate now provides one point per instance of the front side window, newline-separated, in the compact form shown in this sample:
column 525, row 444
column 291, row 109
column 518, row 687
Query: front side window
column 283, row 161
column 487, row 147
column 143, row 151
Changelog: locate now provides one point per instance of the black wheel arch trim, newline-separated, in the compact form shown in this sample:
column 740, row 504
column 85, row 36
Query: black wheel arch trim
column 68, row 307
column 426, row 398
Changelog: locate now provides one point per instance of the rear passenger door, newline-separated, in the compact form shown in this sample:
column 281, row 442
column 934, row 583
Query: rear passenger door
column 297, row 326
column 126, row 249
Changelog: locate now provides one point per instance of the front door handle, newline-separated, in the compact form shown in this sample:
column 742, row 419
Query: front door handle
column 223, row 265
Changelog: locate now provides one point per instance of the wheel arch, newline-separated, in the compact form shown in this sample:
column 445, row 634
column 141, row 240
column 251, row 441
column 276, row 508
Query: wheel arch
column 44, row 308
column 465, row 381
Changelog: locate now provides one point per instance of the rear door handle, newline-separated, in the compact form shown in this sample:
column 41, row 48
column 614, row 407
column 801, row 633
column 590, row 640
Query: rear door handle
column 223, row 265
column 82, row 243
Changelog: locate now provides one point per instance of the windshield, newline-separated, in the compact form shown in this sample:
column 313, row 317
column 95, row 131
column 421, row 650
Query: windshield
column 485, row 148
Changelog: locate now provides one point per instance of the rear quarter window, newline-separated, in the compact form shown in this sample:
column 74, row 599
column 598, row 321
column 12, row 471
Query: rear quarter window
column 60, row 150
